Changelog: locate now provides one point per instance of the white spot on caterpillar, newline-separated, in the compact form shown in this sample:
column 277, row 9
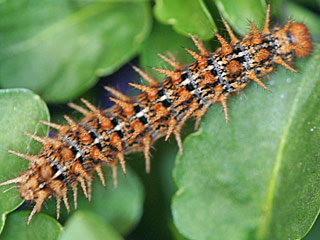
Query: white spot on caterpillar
column 118, row 127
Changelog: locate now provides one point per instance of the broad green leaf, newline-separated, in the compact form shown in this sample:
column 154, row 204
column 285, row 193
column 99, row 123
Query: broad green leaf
column 238, row 13
column 21, row 111
column 120, row 207
column 60, row 48
column 87, row 225
column 186, row 16
column 257, row 177
column 314, row 233
column 310, row 19
column 156, row 43
column 175, row 233
column 42, row 227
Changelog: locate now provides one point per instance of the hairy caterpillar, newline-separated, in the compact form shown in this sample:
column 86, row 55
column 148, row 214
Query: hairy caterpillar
column 160, row 110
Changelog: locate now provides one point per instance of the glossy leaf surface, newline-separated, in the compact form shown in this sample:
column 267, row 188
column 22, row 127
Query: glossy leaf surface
column 87, row 225
column 41, row 227
column 186, row 16
column 21, row 111
column 60, row 48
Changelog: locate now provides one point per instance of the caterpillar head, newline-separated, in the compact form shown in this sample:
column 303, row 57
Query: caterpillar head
column 28, row 187
column 301, row 39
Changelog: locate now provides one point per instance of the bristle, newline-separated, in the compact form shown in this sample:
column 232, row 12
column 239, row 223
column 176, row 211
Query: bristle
column 165, row 71
column 89, row 105
column 89, row 183
column 172, row 63
column 172, row 123
column 265, row 29
column 53, row 125
column 83, row 186
column 179, row 141
column 193, row 54
column 69, row 120
column 233, row 37
column 226, row 48
column 286, row 26
column 149, row 90
column 199, row 44
column 100, row 174
column 253, row 77
column 146, row 151
column 33, row 212
column 280, row 61
column 118, row 94
column 223, row 101
column 172, row 57
column 124, row 105
column 14, row 180
column 200, row 115
column 31, row 158
column 74, row 187
column 43, row 140
column 122, row 162
column 146, row 76
column 78, row 108
column 41, row 196
column 256, row 39
column 65, row 200
column 58, row 207
column 254, row 29
column 114, row 175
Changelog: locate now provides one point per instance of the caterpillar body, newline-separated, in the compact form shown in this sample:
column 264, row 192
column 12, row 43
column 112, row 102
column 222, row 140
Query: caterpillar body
column 134, row 124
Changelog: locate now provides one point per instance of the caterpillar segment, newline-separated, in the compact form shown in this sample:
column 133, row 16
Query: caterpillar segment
column 104, row 137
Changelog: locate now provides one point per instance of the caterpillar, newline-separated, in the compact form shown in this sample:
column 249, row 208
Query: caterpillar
column 104, row 137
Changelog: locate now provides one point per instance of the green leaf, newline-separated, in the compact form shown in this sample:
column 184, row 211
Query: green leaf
column 257, row 177
column 314, row 233
column 120, row 207
column 238, row 13
column 21, row 111
column 156, row 43
column 186, row 16
column 87, row 225
column 41, row 227
column 60, row 48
